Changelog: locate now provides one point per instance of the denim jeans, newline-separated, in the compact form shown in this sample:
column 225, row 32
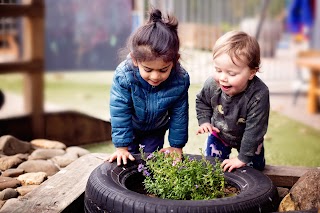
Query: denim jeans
column 216, row 148
column 151, row 140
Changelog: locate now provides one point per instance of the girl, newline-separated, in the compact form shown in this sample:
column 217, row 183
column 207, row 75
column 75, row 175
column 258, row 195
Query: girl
column 149, row 94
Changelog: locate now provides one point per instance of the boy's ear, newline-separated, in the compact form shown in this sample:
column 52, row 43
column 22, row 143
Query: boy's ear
column 253, row 73
column 135, row 63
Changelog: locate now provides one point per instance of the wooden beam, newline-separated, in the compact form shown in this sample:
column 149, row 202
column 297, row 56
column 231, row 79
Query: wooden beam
column 285, row 176
column 69, row 127
column 59, row 191
column 19, row 10
column 33, row 66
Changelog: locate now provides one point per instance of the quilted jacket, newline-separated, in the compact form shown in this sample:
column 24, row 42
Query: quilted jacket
column 135, row 104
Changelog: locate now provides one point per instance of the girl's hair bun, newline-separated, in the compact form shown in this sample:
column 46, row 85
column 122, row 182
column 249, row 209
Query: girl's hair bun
column 155, row 16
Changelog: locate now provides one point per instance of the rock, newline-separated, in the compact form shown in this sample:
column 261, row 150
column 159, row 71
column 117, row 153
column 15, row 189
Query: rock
column 8, row 182
column 23, row 190
column 77, row 150
column 306, row 191
column 32, row 178
column 44, row 154
column 287, row 204
column 12, row 172
column 39, row 166
column 8, row 162
column 8, row 193
column 2, row 202
column 22, row 156
column 7, row 206
column 65, row 160
column 47, row 144
column 10, row 145
column 282, row 192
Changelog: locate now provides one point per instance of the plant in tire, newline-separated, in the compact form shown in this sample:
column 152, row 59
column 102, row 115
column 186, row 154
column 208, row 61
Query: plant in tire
column 112, row 188
column 166, row 176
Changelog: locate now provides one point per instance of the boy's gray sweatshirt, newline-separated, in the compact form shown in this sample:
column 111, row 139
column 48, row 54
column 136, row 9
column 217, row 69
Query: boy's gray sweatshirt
column 242, row 119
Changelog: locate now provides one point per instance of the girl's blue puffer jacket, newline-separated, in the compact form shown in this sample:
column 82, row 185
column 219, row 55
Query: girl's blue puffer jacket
column 135, row 104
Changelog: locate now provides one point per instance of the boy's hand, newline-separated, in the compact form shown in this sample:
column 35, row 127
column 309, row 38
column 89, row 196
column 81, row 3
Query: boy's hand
column 121, row 154
column 171, row 150
column 233, row 163
column 205, row 128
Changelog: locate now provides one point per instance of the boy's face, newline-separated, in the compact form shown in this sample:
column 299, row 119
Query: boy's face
column 232, row 78
column 154, row 72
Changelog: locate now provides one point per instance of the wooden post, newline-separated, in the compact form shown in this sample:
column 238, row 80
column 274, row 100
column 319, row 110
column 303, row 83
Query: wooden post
column 313, row 96
column 31, row 64
column 33, row 82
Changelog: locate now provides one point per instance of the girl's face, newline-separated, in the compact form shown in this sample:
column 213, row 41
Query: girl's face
column 154, row 72
column 232, row 78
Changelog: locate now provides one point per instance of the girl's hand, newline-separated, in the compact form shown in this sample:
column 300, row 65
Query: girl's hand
column 121, row 154
column 233, row 163
column 205, row 128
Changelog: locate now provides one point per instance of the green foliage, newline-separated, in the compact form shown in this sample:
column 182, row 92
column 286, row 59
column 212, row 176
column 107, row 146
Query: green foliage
column 168, row 177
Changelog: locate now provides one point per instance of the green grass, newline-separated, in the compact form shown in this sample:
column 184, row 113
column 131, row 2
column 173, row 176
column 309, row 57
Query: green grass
column 288, row 142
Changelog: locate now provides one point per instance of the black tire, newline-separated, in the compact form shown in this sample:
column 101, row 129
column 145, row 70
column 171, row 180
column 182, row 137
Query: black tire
column 108, row 190
column 2, row 98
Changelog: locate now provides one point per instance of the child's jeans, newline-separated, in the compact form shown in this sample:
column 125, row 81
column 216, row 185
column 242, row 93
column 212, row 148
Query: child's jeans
column 151, row 140
column 216, row 148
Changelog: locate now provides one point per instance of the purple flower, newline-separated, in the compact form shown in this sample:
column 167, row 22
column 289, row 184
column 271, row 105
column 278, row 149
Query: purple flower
column 140, row 167
column 141, row 146
column 146, row 173
column 150, row 156
column 196, row 186
column 167, row 151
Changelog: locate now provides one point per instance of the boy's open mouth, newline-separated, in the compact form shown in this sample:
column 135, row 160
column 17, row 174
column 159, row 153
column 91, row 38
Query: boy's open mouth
column 226, row 87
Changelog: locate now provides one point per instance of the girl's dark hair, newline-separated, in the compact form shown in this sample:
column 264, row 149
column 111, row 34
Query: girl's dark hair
column 158, row 38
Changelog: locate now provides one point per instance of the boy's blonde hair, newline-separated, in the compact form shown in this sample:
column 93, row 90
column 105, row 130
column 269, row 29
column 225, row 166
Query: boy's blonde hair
column 239, row 45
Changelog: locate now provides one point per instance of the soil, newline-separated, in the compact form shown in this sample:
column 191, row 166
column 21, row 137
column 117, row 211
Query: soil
column 230, row 191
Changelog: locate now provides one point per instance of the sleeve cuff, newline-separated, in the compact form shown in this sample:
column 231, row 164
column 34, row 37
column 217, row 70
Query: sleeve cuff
column 244, row 158
column 203, row 120
column 177, row 145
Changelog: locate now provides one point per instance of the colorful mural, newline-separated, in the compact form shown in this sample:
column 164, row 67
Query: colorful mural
column 86, row 35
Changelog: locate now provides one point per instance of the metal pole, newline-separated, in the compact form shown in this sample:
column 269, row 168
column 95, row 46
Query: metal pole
column 262, row 17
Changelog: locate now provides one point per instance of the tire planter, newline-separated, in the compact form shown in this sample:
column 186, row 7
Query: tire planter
column 111, row 188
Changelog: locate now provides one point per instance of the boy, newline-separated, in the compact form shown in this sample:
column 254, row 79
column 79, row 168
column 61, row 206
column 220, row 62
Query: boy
column 233, row 105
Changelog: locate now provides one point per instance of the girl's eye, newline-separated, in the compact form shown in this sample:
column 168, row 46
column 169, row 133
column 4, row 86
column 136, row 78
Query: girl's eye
column 163, row 71
column 147, row 70
column 232, row 74
column 218, row 70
